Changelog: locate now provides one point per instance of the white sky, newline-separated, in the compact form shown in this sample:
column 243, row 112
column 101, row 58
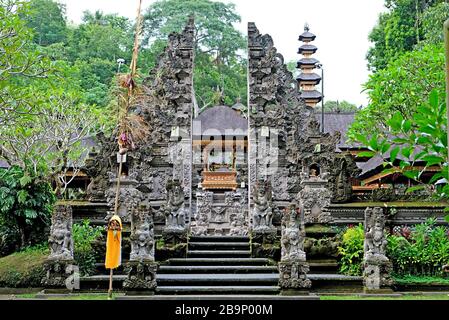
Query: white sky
column 342, row 29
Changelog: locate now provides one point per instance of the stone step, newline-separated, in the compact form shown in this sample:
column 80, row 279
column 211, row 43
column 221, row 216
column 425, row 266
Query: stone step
column 217, row 279
column 335, row 283
column 101, row 282
column 174, row 290
column 218, row 269
column 329, row 266
column 218, row 245
column 219, row 239
column 218, row 253
column 220, row 261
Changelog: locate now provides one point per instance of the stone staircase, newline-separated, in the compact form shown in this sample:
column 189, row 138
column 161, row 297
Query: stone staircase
column 218, row 265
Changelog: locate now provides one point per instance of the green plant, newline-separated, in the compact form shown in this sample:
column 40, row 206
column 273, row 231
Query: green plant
column 351, row 251
column 83, row 235
column 26, row 204
column 423, row 253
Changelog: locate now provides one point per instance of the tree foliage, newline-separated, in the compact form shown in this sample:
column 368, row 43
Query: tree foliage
column 220, row 70
column 401, row 87
column 399, row 30
column 422, row 138
column 47, row 19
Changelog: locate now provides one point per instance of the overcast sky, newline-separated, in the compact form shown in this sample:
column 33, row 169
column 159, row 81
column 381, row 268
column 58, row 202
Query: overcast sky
column 342, row 29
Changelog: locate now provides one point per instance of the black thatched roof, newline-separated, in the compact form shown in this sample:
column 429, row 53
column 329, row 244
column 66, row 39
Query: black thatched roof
column 307, row 62
column 308, row 36
column 338, row 121
column 307, row 48
column 309, row 77
column 313, row 94
column 219, row 119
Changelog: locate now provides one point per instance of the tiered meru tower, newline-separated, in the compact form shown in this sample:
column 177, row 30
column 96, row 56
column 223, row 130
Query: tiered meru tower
column 308, row 79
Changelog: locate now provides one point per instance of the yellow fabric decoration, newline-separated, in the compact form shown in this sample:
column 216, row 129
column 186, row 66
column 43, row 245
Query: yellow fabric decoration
column 114, row 243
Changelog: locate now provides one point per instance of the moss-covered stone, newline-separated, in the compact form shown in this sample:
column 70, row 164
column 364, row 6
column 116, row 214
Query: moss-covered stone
column 23, row 269
column 271, row 251
column 165, row 251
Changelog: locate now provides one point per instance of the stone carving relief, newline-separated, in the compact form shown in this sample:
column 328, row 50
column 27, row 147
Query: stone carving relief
column 203, row 212
column 263, row 207
column 60, row 240
column 129, row 196
column 142, row 235
column 175, row 212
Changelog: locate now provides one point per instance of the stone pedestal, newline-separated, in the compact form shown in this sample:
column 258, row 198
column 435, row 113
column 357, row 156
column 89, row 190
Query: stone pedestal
column 376, row 276
column 293, row 277
column 62, row 276
column 141, row 278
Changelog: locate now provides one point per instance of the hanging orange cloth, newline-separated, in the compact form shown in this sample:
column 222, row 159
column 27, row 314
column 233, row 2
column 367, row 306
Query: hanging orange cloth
column 114, row 243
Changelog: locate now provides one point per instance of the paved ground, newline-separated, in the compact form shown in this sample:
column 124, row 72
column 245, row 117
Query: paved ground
column 327, row 296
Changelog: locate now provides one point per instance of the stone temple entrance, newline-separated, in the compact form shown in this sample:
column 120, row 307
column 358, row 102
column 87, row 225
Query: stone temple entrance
column 220, row 199
column 219, row 177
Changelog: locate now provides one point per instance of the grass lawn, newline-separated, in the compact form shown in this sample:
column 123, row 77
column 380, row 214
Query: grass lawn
column 404, row 297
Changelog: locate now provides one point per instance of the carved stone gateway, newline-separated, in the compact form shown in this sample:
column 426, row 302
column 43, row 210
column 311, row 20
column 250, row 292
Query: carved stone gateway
column 377, row 267
column 60, row 266
column 293, row 267
column 141, row 268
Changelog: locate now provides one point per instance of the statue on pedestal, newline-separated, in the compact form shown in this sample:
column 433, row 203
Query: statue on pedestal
column 293, row 267
column 377, row 267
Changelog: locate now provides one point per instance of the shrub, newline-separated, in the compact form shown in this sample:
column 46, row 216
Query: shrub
column 26, row 204
column 351, row 251
column 24, row 269
column 424, row 252
column 83, row 235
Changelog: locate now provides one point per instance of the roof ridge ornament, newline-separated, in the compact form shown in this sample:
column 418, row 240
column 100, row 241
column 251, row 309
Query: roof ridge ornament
column 306, row 27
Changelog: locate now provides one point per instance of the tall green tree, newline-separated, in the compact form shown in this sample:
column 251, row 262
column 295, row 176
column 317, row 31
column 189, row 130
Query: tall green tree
column 220, row 70
column 47, row 19
column 398, row 30
column 400, row 87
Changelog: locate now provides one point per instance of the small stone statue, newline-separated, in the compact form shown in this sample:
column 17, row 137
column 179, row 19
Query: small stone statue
column 60, row 240
column 293, row 234
column 375, row 239
column 377, row 267
column 142, row 235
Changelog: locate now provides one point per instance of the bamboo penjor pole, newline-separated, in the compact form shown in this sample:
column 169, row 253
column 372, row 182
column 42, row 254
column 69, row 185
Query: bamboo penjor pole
column 122, row 120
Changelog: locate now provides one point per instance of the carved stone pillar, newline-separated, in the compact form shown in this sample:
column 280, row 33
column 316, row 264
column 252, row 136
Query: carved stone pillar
column 293, row 267
column 61, row 271
column 141, row 268
column 175, row 230
column 377, row 267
